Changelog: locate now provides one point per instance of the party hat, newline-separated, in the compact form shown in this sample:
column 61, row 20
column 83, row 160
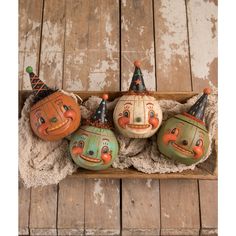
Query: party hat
column 137, row 84
column 100, row 117
column 40, row 89
column 197, row 110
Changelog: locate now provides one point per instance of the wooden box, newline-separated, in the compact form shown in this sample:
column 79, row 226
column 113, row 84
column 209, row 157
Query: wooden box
column 205, row 170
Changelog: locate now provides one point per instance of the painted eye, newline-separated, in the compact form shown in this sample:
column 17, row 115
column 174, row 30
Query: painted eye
column 199, row 143
column 66, row 107
column 175, row 131
column 151, row 114
column 81, row 144
column 126, row 113
column 41, row 120
column 105, row 149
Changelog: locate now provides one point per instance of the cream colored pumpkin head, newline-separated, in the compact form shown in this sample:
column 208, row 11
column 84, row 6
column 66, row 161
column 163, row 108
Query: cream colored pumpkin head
column 137, row 116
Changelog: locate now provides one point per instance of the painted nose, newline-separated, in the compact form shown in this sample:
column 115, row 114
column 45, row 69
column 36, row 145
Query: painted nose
column 185, row 142
column 91, row 152
column 138, row 119
column 53, row 119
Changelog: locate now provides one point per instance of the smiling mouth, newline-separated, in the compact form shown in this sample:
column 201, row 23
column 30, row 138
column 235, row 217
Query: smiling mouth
column 59, row 126
column 95, row 160
column 135, row 126
column 181, row 149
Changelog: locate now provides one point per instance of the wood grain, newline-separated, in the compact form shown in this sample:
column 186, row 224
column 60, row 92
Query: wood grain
column 179, row 198
column 179, row 207
column 140, row 207
column 137, row 41
column 52, row 44
column 92, row 63
column 23, row 214
column 102, row 207
column 92, row 45
column 30, row 17
column 135, row 174
column 203, row 33
column 208, row 191
column 177, row 96
column 71, row 206
column 172, row 52
column 43, row 210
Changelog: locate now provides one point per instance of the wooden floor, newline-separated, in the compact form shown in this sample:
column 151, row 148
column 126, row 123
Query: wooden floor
column 90, row 45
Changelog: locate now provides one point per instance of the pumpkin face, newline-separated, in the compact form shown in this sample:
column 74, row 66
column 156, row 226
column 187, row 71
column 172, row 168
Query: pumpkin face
column 93, row 148
column 55, row 116
column 137, row 116
column 183, row 139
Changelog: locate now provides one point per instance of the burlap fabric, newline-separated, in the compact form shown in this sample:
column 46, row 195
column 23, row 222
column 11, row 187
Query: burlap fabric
column 42, row 163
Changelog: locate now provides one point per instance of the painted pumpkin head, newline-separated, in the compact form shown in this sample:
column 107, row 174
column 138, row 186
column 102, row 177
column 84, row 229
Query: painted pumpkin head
column 54, row 115
column 137, row 114
column 184, row 137
column 94, row 146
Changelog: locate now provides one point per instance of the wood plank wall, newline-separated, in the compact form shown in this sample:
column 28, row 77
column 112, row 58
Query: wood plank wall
column 91, row 45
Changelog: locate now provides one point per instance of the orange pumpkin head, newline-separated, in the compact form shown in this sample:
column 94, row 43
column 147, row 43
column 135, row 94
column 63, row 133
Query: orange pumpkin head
column 54, row 115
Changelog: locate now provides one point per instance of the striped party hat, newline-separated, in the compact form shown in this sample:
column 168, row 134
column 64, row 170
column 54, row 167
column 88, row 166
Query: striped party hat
column 40, row 89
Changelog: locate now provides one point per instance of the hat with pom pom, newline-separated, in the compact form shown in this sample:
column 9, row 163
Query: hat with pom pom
column 40, row 89
column 100, row 117
column 137, row 84
column 197, row 110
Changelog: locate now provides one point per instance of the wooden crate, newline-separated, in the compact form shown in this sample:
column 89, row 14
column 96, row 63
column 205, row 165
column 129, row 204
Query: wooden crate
column 205, row 170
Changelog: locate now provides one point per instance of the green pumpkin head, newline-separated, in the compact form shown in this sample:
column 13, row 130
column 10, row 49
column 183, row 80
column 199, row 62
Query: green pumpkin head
column 184, row 137
column 94, row 145
column 93, row 148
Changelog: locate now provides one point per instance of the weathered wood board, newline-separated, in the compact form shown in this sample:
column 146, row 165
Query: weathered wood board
column 172, row 51
column 179, row 207
column 137, row 41
column 52, row 43
column 92, row 63
column 71, row 200
column 178, row 198
column 102, row 207
column 202, row 25
column 24, row 205
column 140, row 207
column 209, row 207
column 30, row 17
column 177, row 96
column 131, row 173
column 92, row 45
column 43, row 210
